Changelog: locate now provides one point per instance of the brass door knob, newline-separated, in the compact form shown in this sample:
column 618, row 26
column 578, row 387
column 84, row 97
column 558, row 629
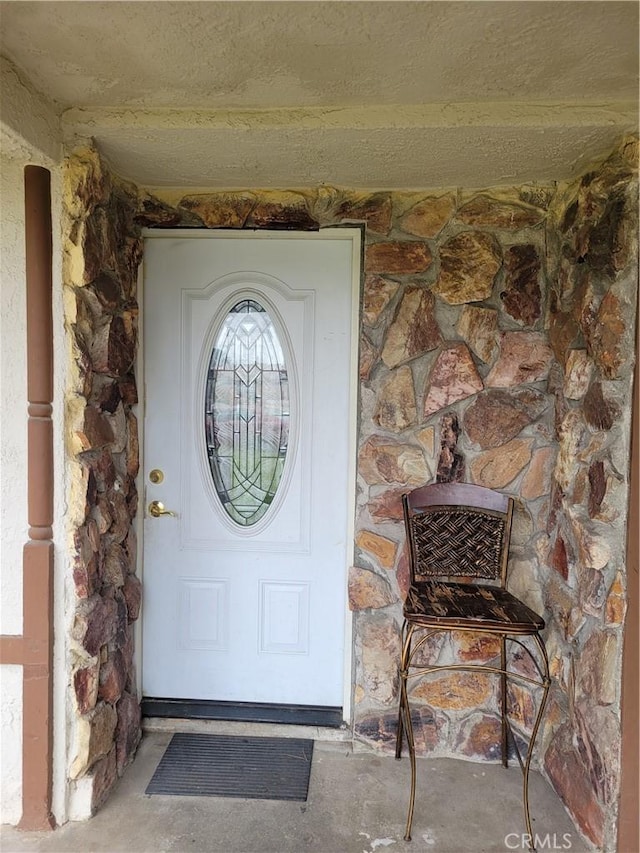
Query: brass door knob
column 156, row 509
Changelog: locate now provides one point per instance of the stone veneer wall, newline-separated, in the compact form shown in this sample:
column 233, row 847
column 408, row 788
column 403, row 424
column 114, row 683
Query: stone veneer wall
column 495, row 348
column 593, row 247
column 102, row 251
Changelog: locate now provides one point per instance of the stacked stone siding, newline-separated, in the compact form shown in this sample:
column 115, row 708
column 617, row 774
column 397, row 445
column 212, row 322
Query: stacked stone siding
column 496, row 347
column 102, row 252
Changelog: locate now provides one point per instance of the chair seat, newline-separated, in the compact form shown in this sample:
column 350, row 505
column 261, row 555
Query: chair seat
column 469, row 606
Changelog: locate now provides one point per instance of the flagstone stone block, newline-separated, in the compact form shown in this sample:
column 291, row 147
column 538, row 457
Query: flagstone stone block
column 368, row 591
column 452, row 378
column 492, row 213
column 495, row 416
column 481, row 737
column 537, row 481
column 525, row 357
column 396, row 406
column 455, row 691
column 498, row 467
column 570, row 778
column 577, row 375
column 469, row 263
column 397, row 258
column 414, row 330
column 378, row 293
column 522, row 296
column 428, row 217
column 383, row 549
column 479, row 328
column 220, row 210
column 374, row 209
column 379, row 652
column 383, row 461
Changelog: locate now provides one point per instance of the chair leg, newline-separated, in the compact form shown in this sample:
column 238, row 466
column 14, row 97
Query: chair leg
column 400, row 729
column 546, row 681
column 402, row 669
column 408, row 726
column 503, row 700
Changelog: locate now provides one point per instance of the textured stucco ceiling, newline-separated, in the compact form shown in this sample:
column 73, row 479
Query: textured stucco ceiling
column 360, row 93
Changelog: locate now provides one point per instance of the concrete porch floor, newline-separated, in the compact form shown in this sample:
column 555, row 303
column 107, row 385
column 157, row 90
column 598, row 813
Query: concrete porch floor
column 357, row 804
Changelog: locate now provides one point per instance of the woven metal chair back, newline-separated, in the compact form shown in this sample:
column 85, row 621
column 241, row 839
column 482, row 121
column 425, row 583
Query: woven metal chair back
column 458, row 530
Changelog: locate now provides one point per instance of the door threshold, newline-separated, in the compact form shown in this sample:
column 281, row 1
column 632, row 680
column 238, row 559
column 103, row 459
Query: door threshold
column 244, row 712
column 324, row 734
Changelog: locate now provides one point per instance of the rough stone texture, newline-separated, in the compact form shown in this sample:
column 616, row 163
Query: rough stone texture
column 498, row 467
column 522, row 297
column 616, row 602
column 367, row 590
column 396, row 407
column 479, row 328
column 570, row 778
column 592, row 264
column 96, row 623
column 578, row 372
column 414, row 331
column 368, row 357
column 281, row 209
column 595, row 677
column 455, row 690
column 102, row 250
column 428, row 217
column 373, row 209
column 85, row 684
column 451, row 463
column 606, row 336
column 524, row 357
column 387, row 506
column 379, row 653
column 496, row 417
column 481, row 737
column 95, row 738
column 599, row 413
column 220, row 210
column 537, row 480
column 132, row 591
column 384, row 550
column 469, row 263
column 383, row 461
column 427, row 438
column 378, row 293
column 397, row 258
column 104, row 775
column 596, row 729
column 521, row 706
column 474, row 648
column 452, row 378
column 488, row 212
column 113, row 677
column 128, row 731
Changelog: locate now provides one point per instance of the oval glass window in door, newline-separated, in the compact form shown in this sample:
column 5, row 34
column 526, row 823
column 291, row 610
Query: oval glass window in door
column 247, row 412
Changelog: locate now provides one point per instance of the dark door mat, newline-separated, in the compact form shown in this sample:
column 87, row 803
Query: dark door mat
column 259, row 768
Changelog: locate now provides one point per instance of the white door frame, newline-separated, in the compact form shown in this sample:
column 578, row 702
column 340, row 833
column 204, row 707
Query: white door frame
column 355, row 236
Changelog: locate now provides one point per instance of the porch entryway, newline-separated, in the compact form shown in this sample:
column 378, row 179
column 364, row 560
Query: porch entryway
column 250, row 361
column 356, row 804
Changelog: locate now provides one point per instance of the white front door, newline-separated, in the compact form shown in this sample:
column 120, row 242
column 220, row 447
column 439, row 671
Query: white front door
column 249, row 362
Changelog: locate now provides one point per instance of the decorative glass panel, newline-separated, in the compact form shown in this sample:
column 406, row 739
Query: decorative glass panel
column 247, row 412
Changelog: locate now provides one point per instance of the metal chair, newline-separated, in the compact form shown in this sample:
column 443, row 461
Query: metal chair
column 461, row 532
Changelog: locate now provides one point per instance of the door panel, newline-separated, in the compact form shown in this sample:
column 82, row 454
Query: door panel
column 251, row 613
